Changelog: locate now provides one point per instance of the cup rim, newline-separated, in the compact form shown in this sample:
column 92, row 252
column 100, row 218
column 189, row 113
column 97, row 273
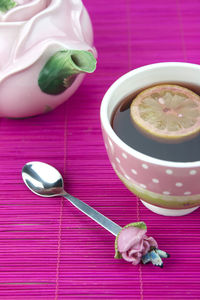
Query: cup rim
column 107, row 126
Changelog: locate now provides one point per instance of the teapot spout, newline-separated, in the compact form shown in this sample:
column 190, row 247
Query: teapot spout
column 62, row 68
column 82, row 61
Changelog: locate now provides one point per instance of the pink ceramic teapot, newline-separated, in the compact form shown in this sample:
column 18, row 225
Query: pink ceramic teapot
column 46, row 46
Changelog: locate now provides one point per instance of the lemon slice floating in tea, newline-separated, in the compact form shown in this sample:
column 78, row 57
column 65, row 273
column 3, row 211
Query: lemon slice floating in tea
column 167, row 112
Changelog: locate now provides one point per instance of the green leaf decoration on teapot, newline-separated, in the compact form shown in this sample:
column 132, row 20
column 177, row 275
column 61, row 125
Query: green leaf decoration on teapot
column 6, row 5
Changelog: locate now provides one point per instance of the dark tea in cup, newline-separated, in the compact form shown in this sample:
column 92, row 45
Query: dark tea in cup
column 166, row 108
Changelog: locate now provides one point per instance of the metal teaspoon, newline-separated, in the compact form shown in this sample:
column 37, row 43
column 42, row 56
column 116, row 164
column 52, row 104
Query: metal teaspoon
column 44, row 180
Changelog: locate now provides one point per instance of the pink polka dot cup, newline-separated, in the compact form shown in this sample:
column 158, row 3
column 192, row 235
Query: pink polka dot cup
column 165, row 187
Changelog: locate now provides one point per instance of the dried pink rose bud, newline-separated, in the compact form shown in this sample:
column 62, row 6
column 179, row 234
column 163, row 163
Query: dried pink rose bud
column 132, row 243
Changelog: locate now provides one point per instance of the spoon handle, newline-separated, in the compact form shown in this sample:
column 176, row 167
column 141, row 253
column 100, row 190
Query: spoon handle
column 94, row 214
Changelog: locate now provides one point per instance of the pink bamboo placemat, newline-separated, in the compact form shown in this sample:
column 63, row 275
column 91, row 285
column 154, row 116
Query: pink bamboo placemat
column 48, row 249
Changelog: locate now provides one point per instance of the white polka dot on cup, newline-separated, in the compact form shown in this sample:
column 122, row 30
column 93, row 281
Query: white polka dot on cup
column 134, row 171
column 155, row 180
column 187, row 193
column 124, row 155
column 169, row 172
column 179, row 184
column 193, row 172
column 117, row 159
column 166, row 193
column 145, row 166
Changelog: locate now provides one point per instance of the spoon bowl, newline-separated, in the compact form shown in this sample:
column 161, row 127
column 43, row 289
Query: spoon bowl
column 43, row 179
